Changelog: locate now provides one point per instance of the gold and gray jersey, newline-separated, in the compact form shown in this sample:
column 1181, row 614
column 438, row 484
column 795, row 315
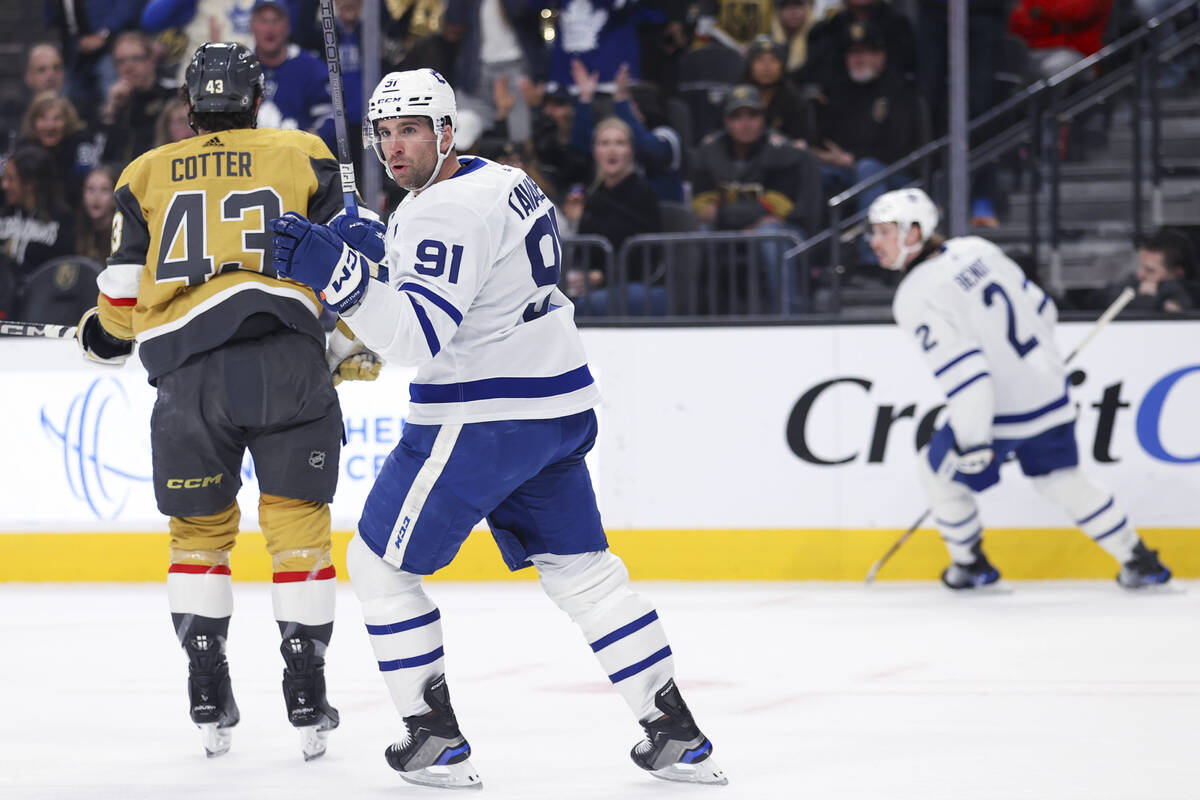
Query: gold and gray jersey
column 191, row 246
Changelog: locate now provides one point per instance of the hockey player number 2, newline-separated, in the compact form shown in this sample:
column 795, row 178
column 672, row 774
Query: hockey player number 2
column 1022, row 348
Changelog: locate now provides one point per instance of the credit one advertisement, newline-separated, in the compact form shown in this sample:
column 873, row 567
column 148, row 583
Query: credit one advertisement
column 710, row 428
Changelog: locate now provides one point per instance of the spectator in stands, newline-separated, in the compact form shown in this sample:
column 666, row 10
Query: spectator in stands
column 43, row 73
column 190, row 23
column 786, row 110
column 1060, row 33
column 93, row 222
column 500, row 39
column 827, row 37
column 600, row 33
column 135, row 100
column 87, row 28
column 746, row 178
column 658, row 151
column 172, row 124
column 790, row 26
column 1166, row 264
column 866, row 120
column 733, row 23
column 35, row 224
column 618, row 205
column 553, row 115
column 296, row 91
column 53, row 123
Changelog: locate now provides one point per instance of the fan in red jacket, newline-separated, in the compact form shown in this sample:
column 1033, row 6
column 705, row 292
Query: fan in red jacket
column 1059, row 32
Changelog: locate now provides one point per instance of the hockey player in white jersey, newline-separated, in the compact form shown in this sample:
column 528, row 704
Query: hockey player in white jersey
column 500, row 419
column 987, row 334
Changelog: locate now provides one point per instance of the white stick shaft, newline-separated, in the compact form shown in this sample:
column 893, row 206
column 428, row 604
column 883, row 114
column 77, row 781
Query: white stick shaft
column 1110, row 313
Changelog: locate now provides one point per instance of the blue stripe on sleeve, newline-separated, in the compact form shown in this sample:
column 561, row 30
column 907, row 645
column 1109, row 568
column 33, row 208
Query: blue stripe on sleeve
column 405, row 625
column 426, row 326
column 415, row 661
column 435, row 298
column 623, row 631
column 965, row 384
column 645, row 663
column 967, row 354
column 492, row 388
column 1045, row 299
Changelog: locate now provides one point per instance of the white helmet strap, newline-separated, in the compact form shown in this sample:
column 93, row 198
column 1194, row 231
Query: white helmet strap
column 439, row 127
column 903, row 251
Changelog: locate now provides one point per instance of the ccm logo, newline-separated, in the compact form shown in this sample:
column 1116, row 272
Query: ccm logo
column 194, row 483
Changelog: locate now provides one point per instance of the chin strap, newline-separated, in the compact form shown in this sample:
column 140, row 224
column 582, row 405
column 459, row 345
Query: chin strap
column 439, row 128
column 905, row 250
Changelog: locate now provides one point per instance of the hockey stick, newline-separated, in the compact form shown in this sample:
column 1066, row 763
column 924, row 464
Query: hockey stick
column 333, row 62
column 1110, row 313
column 42, row 329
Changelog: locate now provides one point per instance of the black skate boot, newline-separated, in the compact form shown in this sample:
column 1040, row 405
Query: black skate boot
column 978, row 573
column 304, row 694
column 1143, row 569
column 674, row 748
column 435, row 752
column 209, row 691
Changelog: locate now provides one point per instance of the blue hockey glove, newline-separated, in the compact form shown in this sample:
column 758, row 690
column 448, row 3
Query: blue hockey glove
column 318, row 257
column 363, row 234
column 98, row 344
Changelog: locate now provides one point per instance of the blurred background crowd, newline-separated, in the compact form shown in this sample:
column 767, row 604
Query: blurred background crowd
column 634, row 116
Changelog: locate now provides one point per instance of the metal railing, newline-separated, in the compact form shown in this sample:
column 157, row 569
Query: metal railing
column 1046, row 104
column 734, row 273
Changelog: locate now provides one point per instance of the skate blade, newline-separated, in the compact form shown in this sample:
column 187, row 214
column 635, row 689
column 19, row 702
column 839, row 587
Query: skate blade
column 449, row 776
column 999, row 587
column 216, row 740
column 705, row 771
column 313, row 741
column 1170, row 587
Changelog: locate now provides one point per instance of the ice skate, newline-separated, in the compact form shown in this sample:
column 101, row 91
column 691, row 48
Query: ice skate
column 304, row 694
column 674, row 748
column 210, row 693
column 978, row 574
column 1143, row 570
column 435, row 752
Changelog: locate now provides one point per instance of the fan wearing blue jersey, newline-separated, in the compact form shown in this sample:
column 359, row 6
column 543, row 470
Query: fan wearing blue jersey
column 987, row 335
column 501, row 418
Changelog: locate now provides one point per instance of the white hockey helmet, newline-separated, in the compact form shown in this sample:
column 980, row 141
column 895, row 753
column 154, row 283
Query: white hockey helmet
column 905, row 207
column 414, row 93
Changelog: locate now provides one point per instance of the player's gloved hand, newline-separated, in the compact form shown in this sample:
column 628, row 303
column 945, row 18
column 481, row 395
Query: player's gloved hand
column 973, row 460
column 363, row 234
column 350, row 360
column 98, row 344
column 318, row 257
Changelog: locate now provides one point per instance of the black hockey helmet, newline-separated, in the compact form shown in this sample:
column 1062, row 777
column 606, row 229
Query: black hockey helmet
column 221, row 78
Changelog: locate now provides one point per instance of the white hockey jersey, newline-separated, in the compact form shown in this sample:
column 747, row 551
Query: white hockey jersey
column 473, row 301
column 987, row 333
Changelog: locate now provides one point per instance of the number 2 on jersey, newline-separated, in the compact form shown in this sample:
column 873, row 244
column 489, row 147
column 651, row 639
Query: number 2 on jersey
column 1022, row 348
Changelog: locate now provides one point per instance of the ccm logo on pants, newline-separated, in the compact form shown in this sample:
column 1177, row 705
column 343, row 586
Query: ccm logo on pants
column 195, row 483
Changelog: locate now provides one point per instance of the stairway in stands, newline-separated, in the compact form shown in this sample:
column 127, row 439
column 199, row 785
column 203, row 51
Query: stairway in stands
column 1096, row 209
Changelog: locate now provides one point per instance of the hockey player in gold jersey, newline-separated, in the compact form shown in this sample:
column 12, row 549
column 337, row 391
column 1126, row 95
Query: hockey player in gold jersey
column 238, row 356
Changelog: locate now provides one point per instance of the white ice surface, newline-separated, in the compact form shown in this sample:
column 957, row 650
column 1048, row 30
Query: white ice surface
column 1060, row 691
